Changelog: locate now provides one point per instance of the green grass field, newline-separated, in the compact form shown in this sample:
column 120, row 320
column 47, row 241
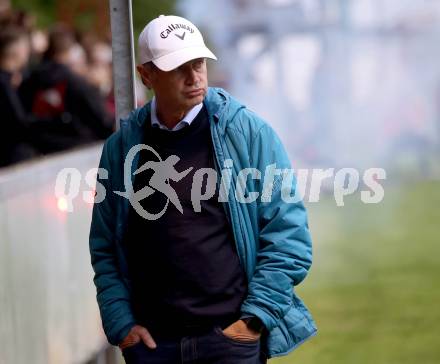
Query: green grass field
column 374, row 286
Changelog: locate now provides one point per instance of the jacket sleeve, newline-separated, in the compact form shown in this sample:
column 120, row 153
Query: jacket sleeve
column 285, row 248
column 112, row 294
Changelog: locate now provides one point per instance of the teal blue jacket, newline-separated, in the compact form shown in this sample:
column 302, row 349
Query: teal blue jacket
column 272, row 238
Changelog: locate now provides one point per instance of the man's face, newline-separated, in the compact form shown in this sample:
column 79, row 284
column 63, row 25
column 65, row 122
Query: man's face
column 183, row 87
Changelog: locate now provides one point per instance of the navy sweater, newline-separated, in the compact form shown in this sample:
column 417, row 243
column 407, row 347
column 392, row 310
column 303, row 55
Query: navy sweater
column 184, row 268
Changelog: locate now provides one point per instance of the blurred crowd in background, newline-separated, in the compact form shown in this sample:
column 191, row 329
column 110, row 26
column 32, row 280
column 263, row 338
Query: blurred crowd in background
column 56, row 88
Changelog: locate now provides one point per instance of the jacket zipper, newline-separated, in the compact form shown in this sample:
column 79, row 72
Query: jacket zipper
column 230, row 217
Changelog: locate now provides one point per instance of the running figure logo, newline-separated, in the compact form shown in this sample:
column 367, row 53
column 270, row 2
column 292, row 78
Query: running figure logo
column 164, row 171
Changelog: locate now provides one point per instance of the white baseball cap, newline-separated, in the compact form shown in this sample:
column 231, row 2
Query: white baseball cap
column 170, row 41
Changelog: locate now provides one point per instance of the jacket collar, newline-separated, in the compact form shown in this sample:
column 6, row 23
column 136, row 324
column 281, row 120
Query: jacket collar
column 220, row 105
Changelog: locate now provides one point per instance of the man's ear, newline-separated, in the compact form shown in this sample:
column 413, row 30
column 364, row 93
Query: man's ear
column 146, row 76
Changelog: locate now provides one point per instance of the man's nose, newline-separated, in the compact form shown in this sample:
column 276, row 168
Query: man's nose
column 192, row 77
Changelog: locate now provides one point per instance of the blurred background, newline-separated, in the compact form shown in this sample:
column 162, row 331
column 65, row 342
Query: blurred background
column 345, row 83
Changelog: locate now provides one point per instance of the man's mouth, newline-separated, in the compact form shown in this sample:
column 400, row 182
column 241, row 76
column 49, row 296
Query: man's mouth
column 195, row 93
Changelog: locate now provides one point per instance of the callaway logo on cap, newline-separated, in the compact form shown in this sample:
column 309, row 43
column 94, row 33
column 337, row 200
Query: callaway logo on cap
column 170, row 41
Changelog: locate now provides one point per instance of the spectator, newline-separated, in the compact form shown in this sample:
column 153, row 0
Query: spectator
column 99, row 69
column 56, row 89
column 20, row 129
column 14, row 138
column 39, row 43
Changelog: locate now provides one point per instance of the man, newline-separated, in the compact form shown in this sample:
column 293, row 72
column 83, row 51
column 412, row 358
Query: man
column 208, row 280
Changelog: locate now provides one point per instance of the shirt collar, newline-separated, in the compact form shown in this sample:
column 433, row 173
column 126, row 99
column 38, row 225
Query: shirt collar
column 187, row 119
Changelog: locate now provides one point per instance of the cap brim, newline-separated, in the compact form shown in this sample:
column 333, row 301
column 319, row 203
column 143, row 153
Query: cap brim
column 175, row 59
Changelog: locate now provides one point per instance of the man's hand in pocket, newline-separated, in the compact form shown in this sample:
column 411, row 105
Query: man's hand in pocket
column 241, row 332
column 136, row 334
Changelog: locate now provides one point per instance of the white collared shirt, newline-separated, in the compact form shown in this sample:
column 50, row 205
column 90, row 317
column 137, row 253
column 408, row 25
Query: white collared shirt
column 187, row 119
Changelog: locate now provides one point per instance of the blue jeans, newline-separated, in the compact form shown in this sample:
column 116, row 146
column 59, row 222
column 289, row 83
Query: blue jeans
column 213, row 347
